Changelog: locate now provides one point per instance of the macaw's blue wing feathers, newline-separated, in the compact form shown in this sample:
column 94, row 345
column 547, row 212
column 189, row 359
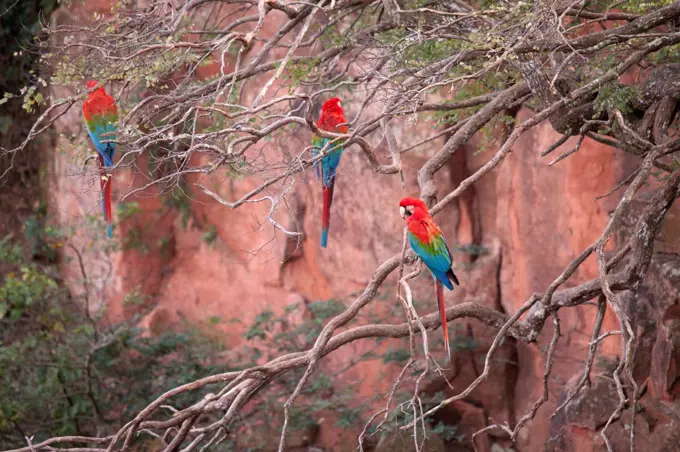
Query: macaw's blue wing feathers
column 97, row 134
column 326, row 168
column 436, row 256
column 329, row 165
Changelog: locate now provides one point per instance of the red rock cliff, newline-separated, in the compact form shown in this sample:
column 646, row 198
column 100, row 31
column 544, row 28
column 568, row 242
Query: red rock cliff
column 530, row 219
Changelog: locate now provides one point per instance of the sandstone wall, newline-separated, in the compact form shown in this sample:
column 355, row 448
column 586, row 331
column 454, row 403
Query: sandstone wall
column 529, row 219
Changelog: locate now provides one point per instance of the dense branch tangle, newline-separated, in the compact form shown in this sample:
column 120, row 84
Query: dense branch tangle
column 390, row 59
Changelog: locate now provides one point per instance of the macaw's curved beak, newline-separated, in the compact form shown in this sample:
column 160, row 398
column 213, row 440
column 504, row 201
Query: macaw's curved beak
column 402, row 212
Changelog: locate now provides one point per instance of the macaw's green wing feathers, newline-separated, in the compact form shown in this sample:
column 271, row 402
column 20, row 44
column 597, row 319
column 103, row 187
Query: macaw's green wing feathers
column 318, row 143
column 100, row 131
column 101, row 119
column 435, row 255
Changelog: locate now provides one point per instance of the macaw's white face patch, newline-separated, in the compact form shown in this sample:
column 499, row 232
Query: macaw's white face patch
column 405, row 212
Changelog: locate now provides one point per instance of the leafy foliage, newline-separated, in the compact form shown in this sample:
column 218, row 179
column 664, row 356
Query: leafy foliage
column 616, row 97
column 210, row 235
column 643, row 6
column 179, row 198
column 64, row 372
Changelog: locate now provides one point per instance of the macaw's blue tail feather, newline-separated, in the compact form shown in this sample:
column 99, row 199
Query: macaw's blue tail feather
column 326, row 213
column 324, row 237
column 109, row 229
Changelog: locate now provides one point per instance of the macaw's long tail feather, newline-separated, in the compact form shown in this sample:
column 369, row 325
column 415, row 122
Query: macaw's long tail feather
column 108, row 215
column 442, row 316
column 102, row 173
column 326, row 213
column 105, row 180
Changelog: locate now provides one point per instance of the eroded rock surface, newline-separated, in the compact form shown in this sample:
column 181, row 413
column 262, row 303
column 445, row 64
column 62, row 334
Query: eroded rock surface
column 512, row 234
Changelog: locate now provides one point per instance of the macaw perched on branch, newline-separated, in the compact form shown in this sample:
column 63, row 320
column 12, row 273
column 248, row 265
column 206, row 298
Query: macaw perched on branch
column 101, row 119
column 332, row 116
column 427, row 241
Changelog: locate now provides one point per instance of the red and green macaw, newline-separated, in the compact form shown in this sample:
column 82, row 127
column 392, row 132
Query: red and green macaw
column 101, row 119
column 427, row 241
column 332, row 116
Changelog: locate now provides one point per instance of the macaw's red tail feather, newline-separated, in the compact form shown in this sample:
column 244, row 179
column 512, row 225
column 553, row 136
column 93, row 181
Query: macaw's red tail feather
column 326, row 214
column 442, row 316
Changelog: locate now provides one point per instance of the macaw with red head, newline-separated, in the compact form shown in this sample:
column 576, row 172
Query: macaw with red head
column 427, row 241
column 101, row 119
column 331, row 120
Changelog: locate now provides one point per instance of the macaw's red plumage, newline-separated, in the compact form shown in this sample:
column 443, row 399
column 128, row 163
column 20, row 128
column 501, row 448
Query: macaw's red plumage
column 331, row 120
column 101, row 119
column 427, row 241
